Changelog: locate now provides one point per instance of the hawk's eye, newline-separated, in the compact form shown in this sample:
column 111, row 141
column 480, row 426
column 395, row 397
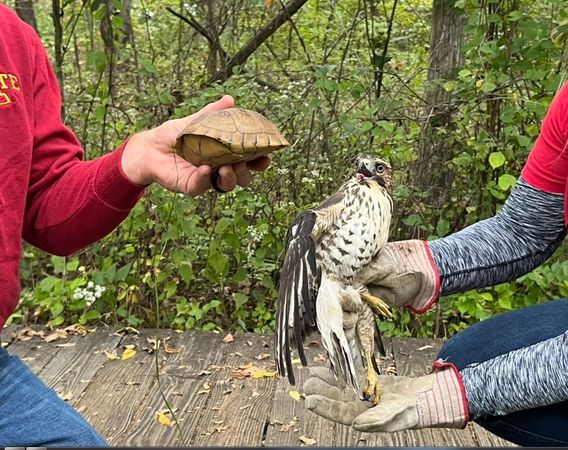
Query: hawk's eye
column 380, row 168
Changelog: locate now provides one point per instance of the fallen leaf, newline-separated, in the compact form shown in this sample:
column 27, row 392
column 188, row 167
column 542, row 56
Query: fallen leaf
column 111, row 356
column 204, row 372
column 252, row 371
column 296, row 361
column 127, row 330
column 242, row 408
column 228, row 339
column 25, row 334
column 295, row 395
column 77, row 329
column 425, row 347
column 307, row 440
column 255, row 394
column 168, row 349
column 66, row 345
column 249, row 343
column 58, row 334
column 263, row 356
column 289, row 425
column 128, row 353
column 163, row 419
column 314, row 344
column 268, row 3
column 133, row 383
column 205, row 389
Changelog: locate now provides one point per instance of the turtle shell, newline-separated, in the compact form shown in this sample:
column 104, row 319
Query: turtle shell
column 227, row 136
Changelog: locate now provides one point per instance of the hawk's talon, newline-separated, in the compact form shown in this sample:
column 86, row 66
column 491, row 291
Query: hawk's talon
column 377, row 305
column 372, row 391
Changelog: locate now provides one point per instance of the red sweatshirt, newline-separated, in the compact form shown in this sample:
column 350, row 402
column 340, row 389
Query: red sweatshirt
column 547, row 165
column 48, row 195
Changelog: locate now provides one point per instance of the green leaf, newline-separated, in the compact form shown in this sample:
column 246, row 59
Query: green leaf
column 58, row 264
column 496, row 159
column 506, row 182
column 442, row 228
column 123, row 272
column 98, row 60
column 515, row 15
column 524, row 141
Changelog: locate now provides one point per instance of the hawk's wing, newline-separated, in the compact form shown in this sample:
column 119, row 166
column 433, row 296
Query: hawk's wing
column 300, row 280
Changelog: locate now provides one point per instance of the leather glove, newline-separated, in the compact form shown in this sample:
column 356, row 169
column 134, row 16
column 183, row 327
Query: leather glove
column 403, row 275
column 435, row 400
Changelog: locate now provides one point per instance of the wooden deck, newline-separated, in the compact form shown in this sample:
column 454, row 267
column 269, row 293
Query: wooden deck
column 208, row 383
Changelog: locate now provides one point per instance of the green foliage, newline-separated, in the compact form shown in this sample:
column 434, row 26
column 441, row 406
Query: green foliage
column 213, row 262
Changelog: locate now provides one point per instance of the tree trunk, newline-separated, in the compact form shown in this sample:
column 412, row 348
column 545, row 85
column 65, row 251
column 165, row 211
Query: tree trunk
column 436, row 146
column 213, row 26
column 56, row 14
column 257, row 40
column 26, row 12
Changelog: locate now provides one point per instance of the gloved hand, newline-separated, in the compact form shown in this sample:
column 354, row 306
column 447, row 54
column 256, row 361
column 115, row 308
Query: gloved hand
column 403, row 275
column 435, row 400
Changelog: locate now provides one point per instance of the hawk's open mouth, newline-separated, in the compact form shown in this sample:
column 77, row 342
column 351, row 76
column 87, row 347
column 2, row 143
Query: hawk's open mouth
column 363, row 172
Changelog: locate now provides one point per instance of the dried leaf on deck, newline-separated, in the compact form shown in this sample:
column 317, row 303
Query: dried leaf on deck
column 169, row 349
column 297, row 361
column 57, row 334
column 25, row 334
column 66, row 345
column 128, row 352
column 205, row 389
column 425, row 347
column 127, row 330
column 308, row 440
column 263, row 356
column 295, row 395
column 289, row 425
column 228, row 339
column 111, row 356
column 252, row 371
column 163, row 419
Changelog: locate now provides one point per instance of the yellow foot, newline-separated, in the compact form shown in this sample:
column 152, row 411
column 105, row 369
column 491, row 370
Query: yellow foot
column 376, row 304
column 372, row 391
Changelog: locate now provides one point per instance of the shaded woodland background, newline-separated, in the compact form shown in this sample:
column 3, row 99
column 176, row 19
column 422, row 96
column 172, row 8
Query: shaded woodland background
column 452, row 92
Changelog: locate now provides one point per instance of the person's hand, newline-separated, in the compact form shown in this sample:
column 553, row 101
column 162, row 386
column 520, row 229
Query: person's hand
column 436, row 400
column 403, row 274
column 149, row 157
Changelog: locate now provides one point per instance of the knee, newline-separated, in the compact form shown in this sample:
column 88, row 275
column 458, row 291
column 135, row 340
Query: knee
column 81, row 435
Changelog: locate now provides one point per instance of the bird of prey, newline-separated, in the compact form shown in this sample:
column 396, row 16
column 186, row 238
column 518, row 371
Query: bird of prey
column 326, row 248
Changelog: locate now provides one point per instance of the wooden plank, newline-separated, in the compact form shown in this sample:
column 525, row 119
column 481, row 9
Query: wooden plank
column 76, row 362
column 36, row 353
column 194, row 363
column 290, row 419
column 112, row 399
column 239, row 409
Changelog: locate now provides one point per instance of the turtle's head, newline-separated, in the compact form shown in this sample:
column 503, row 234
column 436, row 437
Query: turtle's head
column 374, row 168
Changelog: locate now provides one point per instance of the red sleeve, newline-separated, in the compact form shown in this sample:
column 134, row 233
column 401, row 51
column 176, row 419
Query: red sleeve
column 547, row 165
column 70, row 203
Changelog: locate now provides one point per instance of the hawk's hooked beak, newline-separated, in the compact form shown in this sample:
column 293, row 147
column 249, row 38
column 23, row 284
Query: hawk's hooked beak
column 363, row 166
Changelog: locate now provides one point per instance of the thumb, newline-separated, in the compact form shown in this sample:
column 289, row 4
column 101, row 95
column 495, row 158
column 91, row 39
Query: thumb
column 224, row 102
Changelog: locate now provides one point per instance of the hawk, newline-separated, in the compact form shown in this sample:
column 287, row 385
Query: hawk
column 326, row 248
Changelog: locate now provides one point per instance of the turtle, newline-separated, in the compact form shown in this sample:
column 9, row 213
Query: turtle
column 227, row 136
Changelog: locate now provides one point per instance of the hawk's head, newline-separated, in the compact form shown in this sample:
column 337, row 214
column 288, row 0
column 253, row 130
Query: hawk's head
column 373, row 168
